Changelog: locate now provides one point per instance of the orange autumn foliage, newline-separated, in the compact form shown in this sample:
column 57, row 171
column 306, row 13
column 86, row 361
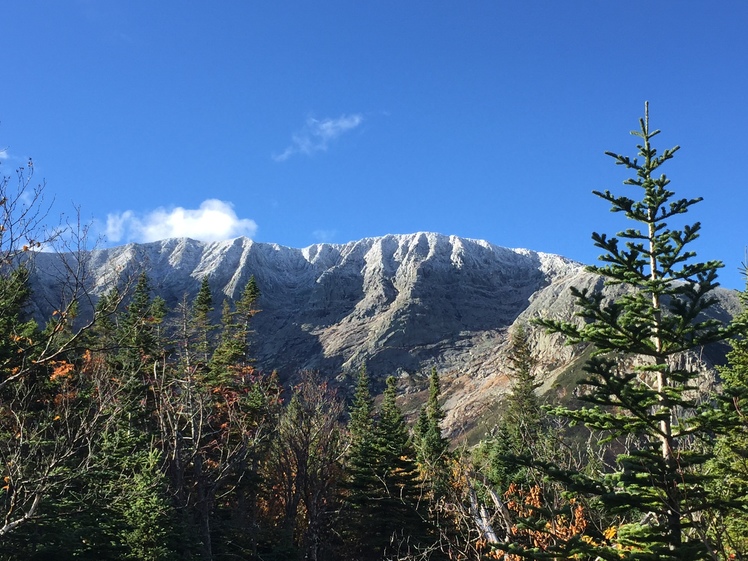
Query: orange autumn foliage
column 560, row 528
column 62, row 370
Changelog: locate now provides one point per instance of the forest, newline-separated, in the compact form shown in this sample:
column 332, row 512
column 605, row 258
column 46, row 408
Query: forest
column 150, row 433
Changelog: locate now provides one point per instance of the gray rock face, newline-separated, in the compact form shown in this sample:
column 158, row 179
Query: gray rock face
column 400, row 303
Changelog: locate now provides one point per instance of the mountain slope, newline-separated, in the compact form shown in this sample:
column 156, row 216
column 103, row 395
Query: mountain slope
column 399, row 303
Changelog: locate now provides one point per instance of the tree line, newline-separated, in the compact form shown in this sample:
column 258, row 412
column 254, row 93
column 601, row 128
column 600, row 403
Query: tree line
column 151, row 433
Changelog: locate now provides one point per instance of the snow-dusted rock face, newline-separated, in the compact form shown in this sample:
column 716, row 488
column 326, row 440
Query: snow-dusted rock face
column 400, row 303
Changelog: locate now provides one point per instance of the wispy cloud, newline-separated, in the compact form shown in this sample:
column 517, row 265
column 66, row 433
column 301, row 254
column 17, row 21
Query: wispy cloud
column 323, row 236
column 4, row 154
column 317, row 134
column 214, row 220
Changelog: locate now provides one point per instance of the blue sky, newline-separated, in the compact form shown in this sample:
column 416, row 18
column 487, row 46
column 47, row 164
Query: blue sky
column 301, row 122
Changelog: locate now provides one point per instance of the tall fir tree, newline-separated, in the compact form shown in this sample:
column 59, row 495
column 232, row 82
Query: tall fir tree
column 520, row 435
column 648, row 400
column 360, row 479
column 729, row 467
column 523, row 411
column 202, row 308
column 401, row 518
column 139, row 346
column 431, row 445
column 246, row 309
column 232, row 351
column 17, row 334
column 381, row 503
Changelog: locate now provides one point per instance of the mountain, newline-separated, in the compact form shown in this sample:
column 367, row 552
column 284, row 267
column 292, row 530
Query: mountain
column 400, row 303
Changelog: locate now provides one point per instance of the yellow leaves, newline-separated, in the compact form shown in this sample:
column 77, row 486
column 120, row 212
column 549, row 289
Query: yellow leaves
column 90, row 362
column 560, row 528
column 20, row 340
column 482, row 545
column 62, row 370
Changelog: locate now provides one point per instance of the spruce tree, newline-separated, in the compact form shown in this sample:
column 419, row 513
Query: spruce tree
column 231, row 354
column 202, row 307
column 399, row 521
column 246, row 309
column 523, row 411
column 17, row 335
column 729, row 467
column 381, row 502
column 520, row 435
column 137, row 336
column 362, row 411
column 360, row 482
column 431, row 445
column 636, row 388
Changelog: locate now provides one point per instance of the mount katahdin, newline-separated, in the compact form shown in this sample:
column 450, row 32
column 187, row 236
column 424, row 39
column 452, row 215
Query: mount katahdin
column 400, row 303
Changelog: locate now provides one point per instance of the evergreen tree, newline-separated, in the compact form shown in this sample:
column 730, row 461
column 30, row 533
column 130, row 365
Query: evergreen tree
column 230, row 350
column 202, row 307
column 650, row 401
column 140, row 345
column 362, row 412
column 17, row 335
column 523, row 413
column 400, row 520
column 132, row 496
column 382, row 491
column 521, row 434
column 138, row 336
column 729, row 467
column 231, row 354
column 246, row 309
column 432, row 446
column 126, row 479
column 361, row 479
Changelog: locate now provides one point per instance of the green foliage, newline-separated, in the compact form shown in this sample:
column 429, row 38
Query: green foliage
column 522, row 436
column 202, row 307
column 729, row 466
column 523, row 412
column 113, row 446
column 137, row 501
column 431, row 446
column 137, row 326
column 17, row 337
column 231, row 353
column 648, row 401
column 381, row 500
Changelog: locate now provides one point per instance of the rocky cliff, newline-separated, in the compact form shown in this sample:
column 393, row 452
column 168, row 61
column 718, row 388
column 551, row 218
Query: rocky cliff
column 400, row 303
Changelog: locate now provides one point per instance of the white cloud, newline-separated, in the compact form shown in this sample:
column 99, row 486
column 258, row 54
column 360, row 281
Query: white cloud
column 317, row 134
column 214, row 221
column 324, row 236
column 4, row 154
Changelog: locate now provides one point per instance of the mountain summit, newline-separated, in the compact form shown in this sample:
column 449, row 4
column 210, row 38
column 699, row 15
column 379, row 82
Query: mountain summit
column 401, row 304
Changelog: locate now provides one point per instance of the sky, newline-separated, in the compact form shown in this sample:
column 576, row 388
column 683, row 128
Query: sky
column 330, row 121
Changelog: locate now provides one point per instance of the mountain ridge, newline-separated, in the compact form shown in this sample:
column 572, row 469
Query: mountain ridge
column 400, row 303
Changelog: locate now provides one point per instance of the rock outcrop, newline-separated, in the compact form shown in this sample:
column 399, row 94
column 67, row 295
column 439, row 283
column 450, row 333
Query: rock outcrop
column 400, row 303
